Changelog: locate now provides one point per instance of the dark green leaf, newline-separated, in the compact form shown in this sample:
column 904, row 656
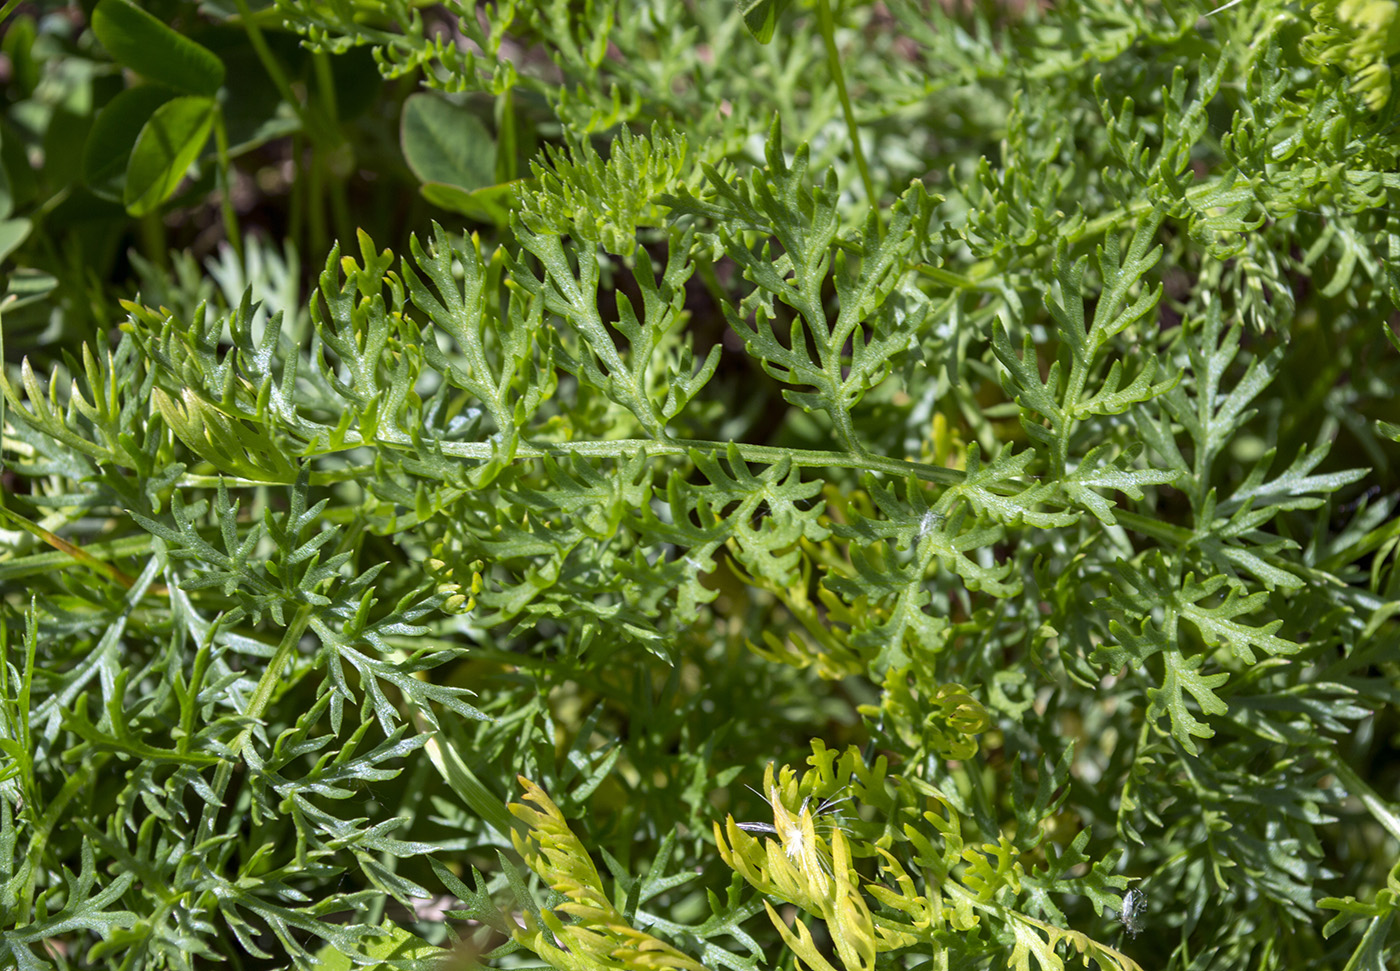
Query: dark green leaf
column 167, row 146
column 150, row 48
column 13, row 232
column 447, row 143
column 114, row 134
column 490, row 204
column 761, row 17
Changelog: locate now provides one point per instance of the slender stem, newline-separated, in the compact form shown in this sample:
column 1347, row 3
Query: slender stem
column 70, row 551
column 152, row 232
column 408, row 809
column 272, row 676
column 616, row 449
column 960, row 281
column 53, row 813
column 340, row 206
column 332, row 147
column 973, row 277
column 1171, row 536
column 508, row 139
column 34, row 563
column 325, row 81
column 59, row 197
column 269, row 63
column 231, row 230
column 833, row 58
column 1380, row 810
column 296, row 204
column 262, row 695
column 316, row 203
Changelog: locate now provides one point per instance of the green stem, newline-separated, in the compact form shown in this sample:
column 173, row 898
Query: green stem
column 269, row 62
column 321, row 64
column 332, row 148
column 833, row 58
column 55, row 811
column 59, row 197
column 262, row 696
column 415, row 786
column 617, row 449
column 296, row 204
column 47, row 562
column 231, row 230
column 960, row 281
column 1173, row 537
column 315, row 202
column 973, row 278
column 152, row 232
column 272, row 677
column 508, row 139
column 1380, row 810
column 341, row 219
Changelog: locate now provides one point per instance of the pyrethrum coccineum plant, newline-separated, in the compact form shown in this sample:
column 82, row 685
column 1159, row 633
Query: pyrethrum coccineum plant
column 829, row 485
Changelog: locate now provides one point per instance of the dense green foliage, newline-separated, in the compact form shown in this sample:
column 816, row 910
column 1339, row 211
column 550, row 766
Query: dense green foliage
column 797, row 484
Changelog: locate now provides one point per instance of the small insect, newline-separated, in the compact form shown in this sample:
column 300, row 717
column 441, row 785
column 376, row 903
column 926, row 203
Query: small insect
column 1212, row 13
column 796, row 832
column 1134, row 903
column 928, row 522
